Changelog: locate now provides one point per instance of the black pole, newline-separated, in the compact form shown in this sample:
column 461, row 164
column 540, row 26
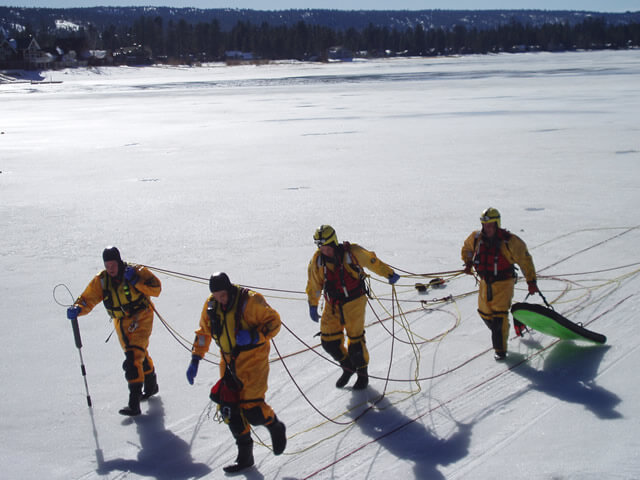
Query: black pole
column 76, row 332
column 78, row 340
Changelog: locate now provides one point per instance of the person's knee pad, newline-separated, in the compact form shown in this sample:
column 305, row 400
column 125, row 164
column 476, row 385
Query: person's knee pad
column 237, row 423
column 147, row 365
column 333, row 348
column 497, row 334
column 255, row 415
column 356, row 353
column 497, row 323
column 129, row 366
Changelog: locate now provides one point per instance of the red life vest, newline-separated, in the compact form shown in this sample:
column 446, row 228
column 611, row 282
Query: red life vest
column 488, row 260
column 344, row 282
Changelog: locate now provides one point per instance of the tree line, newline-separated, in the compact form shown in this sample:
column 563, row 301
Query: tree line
column 151, row 39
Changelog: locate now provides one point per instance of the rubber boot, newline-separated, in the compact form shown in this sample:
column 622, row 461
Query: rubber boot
column 363, row 379
column 150, row 385
column 245, row 454
column 278, row 433
column 347, row 372
column 497, row 338
column 133, row 408
column 499, row 356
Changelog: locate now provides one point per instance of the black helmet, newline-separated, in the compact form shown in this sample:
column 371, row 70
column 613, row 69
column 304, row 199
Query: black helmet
column 219, row 281
column 111, row 253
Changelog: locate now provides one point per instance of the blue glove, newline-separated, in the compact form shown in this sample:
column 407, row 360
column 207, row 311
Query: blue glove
column 313, row 313
column 130, row 275
column 72, row 312
column 394, row 278
column 244, row 337
column 192, row 371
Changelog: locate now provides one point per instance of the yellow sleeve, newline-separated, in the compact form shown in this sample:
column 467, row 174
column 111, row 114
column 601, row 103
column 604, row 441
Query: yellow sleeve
column 518, row 253
column 91, row 296
column 468, row 248
column 261, row 316
column 203, row 338
column 370, row 261
column 315, row 280
column 148, row 283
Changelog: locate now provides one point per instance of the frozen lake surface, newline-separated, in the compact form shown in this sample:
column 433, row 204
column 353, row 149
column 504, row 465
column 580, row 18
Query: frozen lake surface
column 197, row 170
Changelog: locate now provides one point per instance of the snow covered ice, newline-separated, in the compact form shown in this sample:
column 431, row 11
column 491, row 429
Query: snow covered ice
column 216, row 168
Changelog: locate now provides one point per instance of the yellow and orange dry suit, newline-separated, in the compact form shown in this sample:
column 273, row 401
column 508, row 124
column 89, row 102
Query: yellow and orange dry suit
column 493, row 260
column 342, row 280
column 247, row 365
column 132, row 312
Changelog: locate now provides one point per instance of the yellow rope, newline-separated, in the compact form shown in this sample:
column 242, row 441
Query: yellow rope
column 574, row 291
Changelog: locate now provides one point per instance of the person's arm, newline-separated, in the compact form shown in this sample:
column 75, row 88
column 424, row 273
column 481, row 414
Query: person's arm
column 145, row 281
column 261, row 317
column 520, row 255
column 315, row 280
column 91, row 296
column 202, row 342
column 468, row 251
column 370, row 261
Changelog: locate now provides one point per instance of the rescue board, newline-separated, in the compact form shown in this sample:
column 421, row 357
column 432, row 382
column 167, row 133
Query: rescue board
column 550, row 322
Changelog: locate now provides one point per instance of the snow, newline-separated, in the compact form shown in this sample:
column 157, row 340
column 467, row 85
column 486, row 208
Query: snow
column 66, row 25
column 197, row 170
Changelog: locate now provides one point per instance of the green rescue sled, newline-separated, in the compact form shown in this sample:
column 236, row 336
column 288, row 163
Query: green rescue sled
column 550, row 322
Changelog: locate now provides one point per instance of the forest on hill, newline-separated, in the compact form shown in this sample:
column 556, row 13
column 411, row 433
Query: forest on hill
column 137, row 35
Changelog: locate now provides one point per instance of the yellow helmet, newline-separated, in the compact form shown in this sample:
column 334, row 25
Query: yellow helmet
column 490, row 215
column 325, row 235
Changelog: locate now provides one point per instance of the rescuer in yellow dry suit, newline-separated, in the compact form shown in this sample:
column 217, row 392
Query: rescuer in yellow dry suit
column 124, row 289
column 242, row 324
column 337, row 269
column 492, row 252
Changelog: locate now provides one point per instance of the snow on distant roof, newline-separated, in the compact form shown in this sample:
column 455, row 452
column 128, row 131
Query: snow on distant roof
column 67, row 25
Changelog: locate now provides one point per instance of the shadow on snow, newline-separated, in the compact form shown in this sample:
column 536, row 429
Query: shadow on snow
column 569, row 374
column 407, row 438
column 162, row 454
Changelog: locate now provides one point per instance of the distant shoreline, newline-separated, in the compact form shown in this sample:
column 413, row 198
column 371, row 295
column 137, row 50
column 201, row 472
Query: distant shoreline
column 16, row 76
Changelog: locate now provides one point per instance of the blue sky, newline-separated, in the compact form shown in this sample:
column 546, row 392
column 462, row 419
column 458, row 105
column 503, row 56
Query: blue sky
column 590, row 5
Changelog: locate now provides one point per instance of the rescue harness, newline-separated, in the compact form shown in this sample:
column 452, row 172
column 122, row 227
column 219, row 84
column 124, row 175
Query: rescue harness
column 488, row 260
column 345, row 282
column 133, row 302
column 218, row 324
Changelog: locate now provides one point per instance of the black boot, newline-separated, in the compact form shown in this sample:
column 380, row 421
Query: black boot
column 150, row 385
column 133, row 408
column 363, row 379
column 347, row 372
column 278, row 435
column 499, row 356
column 245, row 454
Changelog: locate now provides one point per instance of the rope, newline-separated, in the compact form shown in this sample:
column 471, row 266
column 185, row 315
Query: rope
column 589, row 247
column 183, row 342
column 450, row 400
column 387, row 379
column 381, row 321
column 415, row 341
column 198, row 279
column 68, row 291
column 302, row 392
